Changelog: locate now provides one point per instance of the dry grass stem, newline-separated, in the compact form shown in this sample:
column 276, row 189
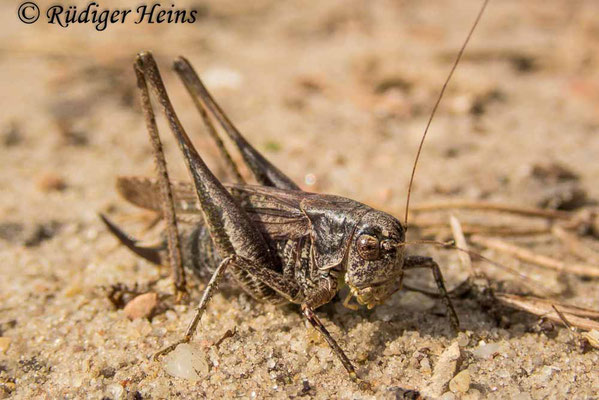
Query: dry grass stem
column 537, row 259
column 545, row 308
column 473, row 228
column 575, row 245
column 488, row 206
column 460, row 241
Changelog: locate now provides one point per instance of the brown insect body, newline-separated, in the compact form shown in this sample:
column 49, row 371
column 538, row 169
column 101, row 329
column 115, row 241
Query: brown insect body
column 314, row 238
column 279, row 243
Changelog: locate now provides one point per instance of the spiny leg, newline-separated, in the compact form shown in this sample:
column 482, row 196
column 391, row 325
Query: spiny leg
column 319, row 326
column 412, row 262
column 212, row 131
column 168, row 208
column 206, row 296
column 231, row 230
column 285, row 286
column 266, row 173
column 290, row 290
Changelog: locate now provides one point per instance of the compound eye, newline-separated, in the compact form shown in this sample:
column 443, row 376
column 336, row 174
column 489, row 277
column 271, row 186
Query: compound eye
column 368, row 247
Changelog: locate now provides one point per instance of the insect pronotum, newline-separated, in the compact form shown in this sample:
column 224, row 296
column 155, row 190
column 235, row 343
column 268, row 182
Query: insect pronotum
column 279, row 243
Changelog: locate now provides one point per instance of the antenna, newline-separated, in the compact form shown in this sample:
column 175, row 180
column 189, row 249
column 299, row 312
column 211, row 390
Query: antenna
column 430, row 119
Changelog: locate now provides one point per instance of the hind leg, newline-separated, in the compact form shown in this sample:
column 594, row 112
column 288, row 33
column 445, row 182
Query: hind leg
column 265, row 172
column 166, row 194
column 233, row 234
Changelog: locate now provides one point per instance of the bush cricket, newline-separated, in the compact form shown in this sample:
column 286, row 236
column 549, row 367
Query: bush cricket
column 278, row 243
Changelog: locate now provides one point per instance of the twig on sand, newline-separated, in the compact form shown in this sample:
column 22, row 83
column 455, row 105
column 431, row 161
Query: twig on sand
column 473, row 228
column 546, row 308
column 489, row 206
column 575, row 245
column 537, row 259
column 460, row 241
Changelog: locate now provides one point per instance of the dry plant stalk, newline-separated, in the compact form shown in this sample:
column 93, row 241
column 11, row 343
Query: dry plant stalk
column 439, row 224
column 460, row 241
column 488, row 206
column 537, row 259
column 578, row 317
column 545, row 308
column 575, row 245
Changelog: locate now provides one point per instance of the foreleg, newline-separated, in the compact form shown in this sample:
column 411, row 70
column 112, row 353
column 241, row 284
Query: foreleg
column 412, row 262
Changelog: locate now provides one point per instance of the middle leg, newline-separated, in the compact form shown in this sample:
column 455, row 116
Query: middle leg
column 309, row 300
column 202, row 305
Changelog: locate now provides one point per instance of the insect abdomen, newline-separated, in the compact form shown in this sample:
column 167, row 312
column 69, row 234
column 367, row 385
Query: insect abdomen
column 200, row 256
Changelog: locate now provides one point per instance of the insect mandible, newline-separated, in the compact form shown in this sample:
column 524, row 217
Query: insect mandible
column 279, row 244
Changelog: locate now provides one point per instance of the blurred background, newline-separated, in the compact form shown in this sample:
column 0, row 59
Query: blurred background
column 336, row 93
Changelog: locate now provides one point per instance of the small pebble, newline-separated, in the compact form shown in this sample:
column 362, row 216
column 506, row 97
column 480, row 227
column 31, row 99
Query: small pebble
column 448, row 396
column 463, row 339
column 486, row 351
column 546, row 373
column 4, row 344
column 107, row 372
column 115, row 391
column 473, row 394
column 141, row 306
column 425, row 365
column 461, row 382
column 444, row 371
column 51, row 183
column 186, row 362
column 593, row 337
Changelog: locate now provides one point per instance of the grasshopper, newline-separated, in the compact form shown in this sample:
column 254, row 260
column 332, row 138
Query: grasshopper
column 276, row 242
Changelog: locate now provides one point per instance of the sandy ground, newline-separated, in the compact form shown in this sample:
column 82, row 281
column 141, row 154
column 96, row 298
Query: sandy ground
column 337, row 94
